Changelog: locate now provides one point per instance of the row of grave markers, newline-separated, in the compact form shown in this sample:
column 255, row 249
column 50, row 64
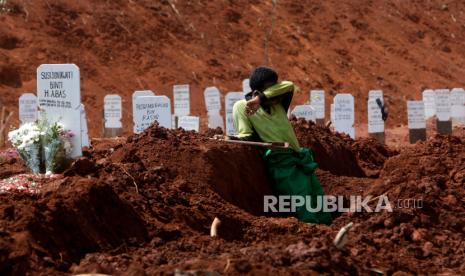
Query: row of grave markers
column 59, row 96
column 144, row 113
column 447, row 105
column 342, row 110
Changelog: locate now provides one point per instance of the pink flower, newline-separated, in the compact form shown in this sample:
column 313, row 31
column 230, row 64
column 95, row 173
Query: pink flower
column 9, row 153
column 68, row 134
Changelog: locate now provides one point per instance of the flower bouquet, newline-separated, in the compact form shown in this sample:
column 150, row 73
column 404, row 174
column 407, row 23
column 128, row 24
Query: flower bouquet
column 57, row 147
column 27, row 140
column 42, row 145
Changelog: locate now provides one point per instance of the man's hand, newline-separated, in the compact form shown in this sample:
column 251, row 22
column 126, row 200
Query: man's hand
column 252, row 105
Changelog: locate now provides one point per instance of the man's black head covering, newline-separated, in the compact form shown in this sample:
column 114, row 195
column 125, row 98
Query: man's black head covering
column 260, row 76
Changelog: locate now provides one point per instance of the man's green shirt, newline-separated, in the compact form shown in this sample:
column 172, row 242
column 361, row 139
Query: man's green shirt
column 270, row 127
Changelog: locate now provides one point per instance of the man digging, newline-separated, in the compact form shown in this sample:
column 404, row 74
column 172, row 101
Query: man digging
column 262, row 116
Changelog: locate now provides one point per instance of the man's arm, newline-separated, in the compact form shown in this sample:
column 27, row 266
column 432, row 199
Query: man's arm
column 278, row 93
column 242, row 124
column 279, row 89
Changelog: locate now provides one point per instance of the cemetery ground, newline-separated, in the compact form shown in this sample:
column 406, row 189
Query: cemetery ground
column 144, row 205
column 330, row 45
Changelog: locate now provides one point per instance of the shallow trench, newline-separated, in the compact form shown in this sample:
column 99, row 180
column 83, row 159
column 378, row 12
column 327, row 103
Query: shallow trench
column 240, row 179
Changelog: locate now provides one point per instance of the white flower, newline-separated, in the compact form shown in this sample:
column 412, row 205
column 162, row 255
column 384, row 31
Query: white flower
column 24, row 136
column 33, row 138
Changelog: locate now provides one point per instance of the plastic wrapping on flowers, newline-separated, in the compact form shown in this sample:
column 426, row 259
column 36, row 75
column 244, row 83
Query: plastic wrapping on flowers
column 27, row 141
column 42, row 145
column 55, row 155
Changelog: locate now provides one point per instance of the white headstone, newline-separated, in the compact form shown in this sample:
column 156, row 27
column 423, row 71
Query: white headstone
column 344, row 117
column 246, row 86
column 84, row 130
column 304, row 111
column 416, row 115
column 375, row 117
column 140, row 93
column 230, row 99
column 442, row 99
column 430, row 103
column 28, row 108
column 181, row 100
column 212, row 99
column 215, row 120
column 59, row 95
column 375, row 94
column 189, row 123
column 457, row 110
column 317, row 100
column 149, row 109
column 112, row 111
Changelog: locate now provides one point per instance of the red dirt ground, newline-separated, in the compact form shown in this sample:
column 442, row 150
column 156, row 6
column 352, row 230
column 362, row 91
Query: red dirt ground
column 400, row 47
column 144, row 205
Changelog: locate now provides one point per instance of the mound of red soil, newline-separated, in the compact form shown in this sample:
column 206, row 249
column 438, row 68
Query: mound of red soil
column 431, row 176
column 172, row 178
column 145, row 205
column 438, row 160
column 55, row 230
column 339, row 154
column 11, row 164
column 459, row 131
column 170, row 161
column 371, row 155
